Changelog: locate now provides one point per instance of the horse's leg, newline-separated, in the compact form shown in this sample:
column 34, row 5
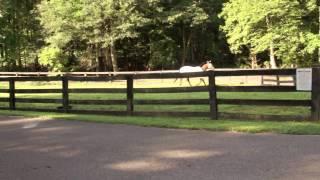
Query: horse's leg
column 189, row 81
column 180, row 81
column 202, row 80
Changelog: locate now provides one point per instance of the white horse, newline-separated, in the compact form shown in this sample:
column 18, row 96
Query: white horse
column 188, row 69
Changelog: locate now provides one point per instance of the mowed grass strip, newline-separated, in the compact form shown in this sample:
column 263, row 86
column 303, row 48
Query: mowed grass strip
column 299, row 128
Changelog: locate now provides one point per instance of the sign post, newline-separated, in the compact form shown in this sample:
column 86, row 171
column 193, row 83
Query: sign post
column 304, row 79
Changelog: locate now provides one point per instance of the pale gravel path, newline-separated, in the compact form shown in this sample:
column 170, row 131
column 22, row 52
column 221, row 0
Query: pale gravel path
column 68, row 150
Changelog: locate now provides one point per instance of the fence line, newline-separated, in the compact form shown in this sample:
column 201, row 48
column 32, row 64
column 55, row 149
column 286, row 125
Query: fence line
column 130, row 102
column 95, row 74
column 265, row 80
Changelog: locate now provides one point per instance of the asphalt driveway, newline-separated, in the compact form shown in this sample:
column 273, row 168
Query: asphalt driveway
column 40, row 149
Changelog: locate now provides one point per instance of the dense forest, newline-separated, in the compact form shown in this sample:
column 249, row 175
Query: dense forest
column 122, row 35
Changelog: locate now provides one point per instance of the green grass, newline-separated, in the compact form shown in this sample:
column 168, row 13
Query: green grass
column 289, row 127
column 307, row 128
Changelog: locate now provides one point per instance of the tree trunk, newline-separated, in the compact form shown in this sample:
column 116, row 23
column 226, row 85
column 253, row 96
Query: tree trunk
column 114, row 58
column 319, row 31
column 91, row 57
column 108, row 59
column 6, row 57
column 19, row 59
column 186, row 42
column 36, row 64
column 97, row 58
column 272, row 57
column 101, row 60
column 271, row 54
column 189, row 42
column 193, row 54
column 184, row 47
column 254, row 62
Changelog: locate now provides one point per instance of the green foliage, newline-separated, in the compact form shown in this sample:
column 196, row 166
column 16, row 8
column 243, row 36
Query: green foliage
column 163, row 54
column 193, row 25
column 155, row 32
column 20, row 36
column 99, row 23
column 255, row 24
column 187, row 12
column 54, row 58
column 162, row 34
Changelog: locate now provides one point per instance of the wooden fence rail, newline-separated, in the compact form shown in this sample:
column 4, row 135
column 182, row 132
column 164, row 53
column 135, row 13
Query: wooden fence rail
column 213, row 102
column 277, row 80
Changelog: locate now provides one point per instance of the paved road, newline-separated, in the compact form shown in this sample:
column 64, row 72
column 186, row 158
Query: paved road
column 39, row 149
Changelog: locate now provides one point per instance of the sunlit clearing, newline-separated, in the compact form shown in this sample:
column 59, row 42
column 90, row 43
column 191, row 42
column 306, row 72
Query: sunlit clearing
column 140, row 165
column 188, row 154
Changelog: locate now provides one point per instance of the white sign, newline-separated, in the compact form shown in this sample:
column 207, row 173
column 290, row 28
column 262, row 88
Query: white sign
column 304, row 79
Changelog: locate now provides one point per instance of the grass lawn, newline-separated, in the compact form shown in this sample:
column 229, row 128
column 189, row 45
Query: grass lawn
column 289, row 127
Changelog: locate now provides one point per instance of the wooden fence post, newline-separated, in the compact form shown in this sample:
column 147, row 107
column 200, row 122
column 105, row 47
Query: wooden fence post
column 262, row 80
column 315, row 110
column 213, row 96
column 12, row 97
column 65, row 94
column 278, row 80
column 130, row 95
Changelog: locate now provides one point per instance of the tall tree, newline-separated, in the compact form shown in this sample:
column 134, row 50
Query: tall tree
column 101, row 24
column 276, row 26
column 20, row 35
column 188, row 33
column 187, row 17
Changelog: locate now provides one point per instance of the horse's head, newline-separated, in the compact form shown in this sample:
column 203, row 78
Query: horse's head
column 207, row 66
column 210, row 65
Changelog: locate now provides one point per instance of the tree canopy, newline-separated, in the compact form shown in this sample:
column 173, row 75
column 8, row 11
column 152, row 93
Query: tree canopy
column 113, row 35
column 280, row 27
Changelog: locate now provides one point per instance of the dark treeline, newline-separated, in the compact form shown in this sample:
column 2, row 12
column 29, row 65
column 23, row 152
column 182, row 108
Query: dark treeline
column 121, row 35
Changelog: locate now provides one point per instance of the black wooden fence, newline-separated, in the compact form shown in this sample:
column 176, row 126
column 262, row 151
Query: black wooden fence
column 130, row 102
column 277, row 80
